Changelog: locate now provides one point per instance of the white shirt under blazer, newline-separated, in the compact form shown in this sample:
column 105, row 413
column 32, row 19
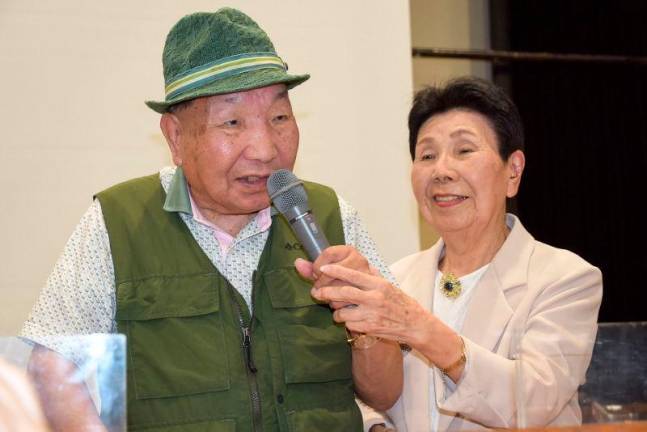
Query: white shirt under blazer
column 534, row 302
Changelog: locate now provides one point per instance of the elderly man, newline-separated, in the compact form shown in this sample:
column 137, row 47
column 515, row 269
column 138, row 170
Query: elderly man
column 198, row 271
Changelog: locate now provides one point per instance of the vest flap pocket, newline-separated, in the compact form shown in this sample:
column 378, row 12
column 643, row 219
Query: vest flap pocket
column 163, row 297
column 287, row 289
column 176, row 341
column 347, row 419
column 312, row 354
column 172, row 357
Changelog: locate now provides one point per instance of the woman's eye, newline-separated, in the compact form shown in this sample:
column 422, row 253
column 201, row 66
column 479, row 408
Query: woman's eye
column 465, row 150
column 427, row 156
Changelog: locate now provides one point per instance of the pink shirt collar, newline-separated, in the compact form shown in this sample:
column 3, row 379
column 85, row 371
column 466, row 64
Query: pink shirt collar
column 263, row 221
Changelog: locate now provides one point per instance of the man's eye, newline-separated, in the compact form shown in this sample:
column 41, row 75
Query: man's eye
column 230, row 123
column 281, row 117
column 465, row 150
column 427, row 156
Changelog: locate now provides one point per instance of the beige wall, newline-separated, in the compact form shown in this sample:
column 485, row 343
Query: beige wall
column 448, row 24
column 75, row 74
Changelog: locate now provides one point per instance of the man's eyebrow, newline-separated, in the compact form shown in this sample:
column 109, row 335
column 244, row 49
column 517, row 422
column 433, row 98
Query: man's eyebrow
column 232, row 98
column 281, row 94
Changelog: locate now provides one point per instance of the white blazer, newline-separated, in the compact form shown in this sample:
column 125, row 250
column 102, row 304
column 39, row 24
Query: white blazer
column 535, row 303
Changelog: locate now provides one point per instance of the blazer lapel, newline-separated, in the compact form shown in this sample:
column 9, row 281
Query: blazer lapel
column 489, row 310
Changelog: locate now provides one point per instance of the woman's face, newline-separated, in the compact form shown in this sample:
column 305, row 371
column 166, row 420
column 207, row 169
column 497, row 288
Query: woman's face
column 459, row 179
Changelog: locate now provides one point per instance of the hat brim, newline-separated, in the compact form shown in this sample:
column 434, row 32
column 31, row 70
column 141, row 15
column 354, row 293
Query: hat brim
column 245, row 81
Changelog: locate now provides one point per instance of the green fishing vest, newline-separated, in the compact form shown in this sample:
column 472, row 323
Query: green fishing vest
column 191, row 366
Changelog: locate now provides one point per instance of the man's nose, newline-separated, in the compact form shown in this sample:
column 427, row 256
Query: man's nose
column 262, row 143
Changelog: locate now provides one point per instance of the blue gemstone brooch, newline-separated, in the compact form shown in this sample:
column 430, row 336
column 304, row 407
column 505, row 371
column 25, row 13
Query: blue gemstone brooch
column 450, row 285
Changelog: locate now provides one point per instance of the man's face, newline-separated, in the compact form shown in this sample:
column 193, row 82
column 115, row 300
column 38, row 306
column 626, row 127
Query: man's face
column 229, row 144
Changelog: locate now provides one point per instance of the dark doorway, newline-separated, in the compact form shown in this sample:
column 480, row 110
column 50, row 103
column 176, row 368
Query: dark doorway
column 586, row 135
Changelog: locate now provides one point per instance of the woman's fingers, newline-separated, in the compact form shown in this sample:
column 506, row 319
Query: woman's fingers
column 343, row 255
column 343, row 293
column 338, row 305
column 389, row 314
column 359, row 279
column 357, row 321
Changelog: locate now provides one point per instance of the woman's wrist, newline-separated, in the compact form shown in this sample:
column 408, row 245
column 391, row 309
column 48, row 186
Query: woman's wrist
column 451, row 369
column 442, row 346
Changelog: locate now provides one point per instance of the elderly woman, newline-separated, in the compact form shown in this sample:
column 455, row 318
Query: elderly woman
column 496, row 327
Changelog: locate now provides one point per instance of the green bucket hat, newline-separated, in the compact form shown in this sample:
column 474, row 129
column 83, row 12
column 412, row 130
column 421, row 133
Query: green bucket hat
column 207, row 54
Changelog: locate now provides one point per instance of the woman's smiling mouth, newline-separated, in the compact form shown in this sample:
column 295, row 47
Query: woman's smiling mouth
column 445, row 200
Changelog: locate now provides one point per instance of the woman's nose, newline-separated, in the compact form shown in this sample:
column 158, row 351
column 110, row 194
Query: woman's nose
column 443, row 169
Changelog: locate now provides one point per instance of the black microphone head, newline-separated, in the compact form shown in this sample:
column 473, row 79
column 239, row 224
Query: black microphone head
column 290, row 198
column 287, row 191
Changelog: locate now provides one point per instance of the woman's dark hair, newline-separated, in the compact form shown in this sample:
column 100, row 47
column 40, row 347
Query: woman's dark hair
column 472, row 94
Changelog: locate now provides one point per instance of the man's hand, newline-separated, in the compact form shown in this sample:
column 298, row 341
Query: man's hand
column 20, row 410
column 66, row 401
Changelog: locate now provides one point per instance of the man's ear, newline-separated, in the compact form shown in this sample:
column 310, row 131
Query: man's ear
column 171, row 128
column 515, row 165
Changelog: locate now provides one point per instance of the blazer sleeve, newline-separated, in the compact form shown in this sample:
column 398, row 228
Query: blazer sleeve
column 548, row 355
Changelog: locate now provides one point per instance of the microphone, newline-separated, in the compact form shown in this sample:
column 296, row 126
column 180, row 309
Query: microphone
column 290, row 198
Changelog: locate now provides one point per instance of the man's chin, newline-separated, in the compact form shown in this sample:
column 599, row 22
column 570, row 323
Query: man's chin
column 245, row 204
column 255, row 207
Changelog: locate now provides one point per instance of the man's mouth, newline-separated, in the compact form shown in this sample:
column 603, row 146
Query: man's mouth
column 254, row 179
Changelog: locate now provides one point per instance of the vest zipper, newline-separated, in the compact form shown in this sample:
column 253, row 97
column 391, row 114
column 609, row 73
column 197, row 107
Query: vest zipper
column 254, row 394
column 247, row 345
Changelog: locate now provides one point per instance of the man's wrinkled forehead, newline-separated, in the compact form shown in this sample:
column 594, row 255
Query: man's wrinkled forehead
column 201, row 109
column 261, row 98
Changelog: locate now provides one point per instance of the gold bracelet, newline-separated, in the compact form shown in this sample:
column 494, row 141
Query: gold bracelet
column 458, row 363
column 361, row 341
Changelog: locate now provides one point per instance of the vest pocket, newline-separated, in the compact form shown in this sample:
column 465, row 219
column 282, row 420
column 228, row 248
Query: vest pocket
column 313, row 347
column 312, row 354
column 207, row 426
column 324, row 419
column 176, row 344
column 287, row 290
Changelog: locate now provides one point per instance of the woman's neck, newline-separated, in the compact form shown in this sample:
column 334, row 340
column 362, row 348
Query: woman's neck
column 466, row 252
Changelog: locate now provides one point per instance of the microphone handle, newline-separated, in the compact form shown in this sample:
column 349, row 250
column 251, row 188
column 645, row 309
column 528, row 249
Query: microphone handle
column 309, row 234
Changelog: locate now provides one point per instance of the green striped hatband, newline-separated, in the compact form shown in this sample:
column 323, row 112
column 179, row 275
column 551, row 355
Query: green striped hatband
column 220, row 69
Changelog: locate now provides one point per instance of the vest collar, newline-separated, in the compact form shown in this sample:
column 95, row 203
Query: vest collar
column 177, row 194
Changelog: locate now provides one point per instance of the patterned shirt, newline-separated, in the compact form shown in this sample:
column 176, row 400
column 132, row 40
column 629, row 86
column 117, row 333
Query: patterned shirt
column 79, row 296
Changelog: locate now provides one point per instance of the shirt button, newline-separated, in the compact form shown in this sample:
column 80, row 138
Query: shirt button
column 279, row 398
